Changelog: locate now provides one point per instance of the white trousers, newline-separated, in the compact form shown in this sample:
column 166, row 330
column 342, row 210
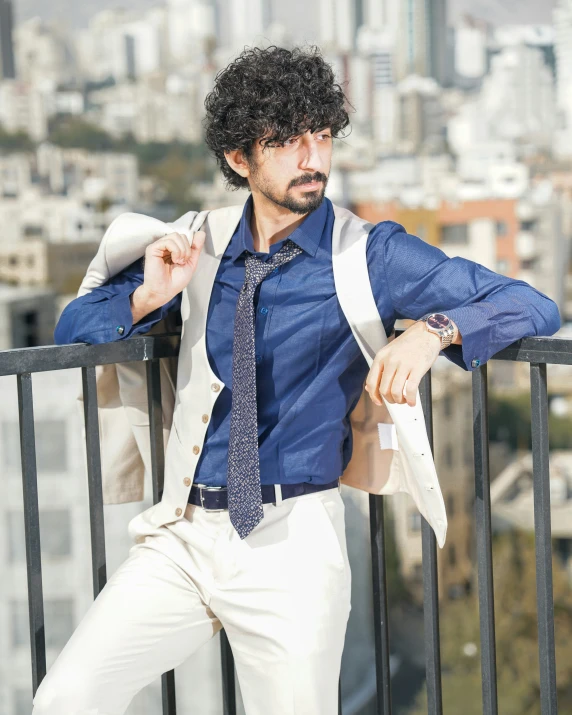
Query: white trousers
column 282, row 596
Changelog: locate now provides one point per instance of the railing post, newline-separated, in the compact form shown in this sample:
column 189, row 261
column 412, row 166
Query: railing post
column 96, row 518
column 484, row 541
column 543, row 543
column 430, row 581
column 380, row 608
column 228, row 684
column 157, row 452
column 32, row 529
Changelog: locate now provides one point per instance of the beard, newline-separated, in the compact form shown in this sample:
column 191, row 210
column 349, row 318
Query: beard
column 307, row 203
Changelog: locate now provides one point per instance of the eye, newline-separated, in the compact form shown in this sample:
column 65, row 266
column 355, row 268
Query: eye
column 291, row 141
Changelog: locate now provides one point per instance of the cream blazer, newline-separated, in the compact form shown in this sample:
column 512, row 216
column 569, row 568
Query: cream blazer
column 403, row 462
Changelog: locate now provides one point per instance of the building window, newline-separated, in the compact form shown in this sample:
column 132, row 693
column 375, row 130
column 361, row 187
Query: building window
column 51, row 448
column 414, row 521
column 528, row 264
column 455, row 233
column 19, row 624
column 527, row 225
column 452, row 555
column 55, row 534
column 15, row 537
column 59, row 619
column 449, row 455
column 501, row 228
column 30, row 231
column 450, row 505
column 503, row 266
column 448, row 405
column 59, row 622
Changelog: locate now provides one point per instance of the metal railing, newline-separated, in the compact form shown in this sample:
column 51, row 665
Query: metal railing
column 537, row 351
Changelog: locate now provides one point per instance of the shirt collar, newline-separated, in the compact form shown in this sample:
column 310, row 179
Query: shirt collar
column 307, row 236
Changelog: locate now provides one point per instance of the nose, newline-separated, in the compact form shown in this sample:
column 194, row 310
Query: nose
column 311, row 160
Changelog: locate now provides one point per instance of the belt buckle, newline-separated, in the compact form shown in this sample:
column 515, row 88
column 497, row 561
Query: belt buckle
column 206, row 488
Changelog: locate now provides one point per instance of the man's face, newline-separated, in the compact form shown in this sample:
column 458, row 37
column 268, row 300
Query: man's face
column 293, row 175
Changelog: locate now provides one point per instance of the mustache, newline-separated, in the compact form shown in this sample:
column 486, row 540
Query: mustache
column 308, row 179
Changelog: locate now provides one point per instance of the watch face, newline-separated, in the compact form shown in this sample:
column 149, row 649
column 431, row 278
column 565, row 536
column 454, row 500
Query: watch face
column 438, row 320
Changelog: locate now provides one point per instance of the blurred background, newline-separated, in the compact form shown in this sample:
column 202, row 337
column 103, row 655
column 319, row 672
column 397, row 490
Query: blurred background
column 462, row 132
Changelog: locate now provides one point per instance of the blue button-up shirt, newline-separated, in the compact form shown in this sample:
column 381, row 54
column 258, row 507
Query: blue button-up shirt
column 310, row 371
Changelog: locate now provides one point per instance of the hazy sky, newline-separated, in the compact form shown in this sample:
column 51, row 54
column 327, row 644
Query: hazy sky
column 77, row 13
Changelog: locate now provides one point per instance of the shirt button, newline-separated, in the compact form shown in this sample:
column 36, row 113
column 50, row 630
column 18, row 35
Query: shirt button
column 275, row 271
column 264, row 311
column 196, row 449
column 258, row 357
column 120, row 329
column 475, row 362
column 205, row 418
column 186, row 481
column 178, row 512
column 215, row 387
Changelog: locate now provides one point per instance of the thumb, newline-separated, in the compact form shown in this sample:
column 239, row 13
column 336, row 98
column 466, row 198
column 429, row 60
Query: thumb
column 198, row 240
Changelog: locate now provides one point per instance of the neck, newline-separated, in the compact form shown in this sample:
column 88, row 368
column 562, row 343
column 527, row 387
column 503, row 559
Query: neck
column 271, row 223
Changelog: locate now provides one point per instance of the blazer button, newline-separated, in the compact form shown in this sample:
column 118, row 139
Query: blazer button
column 215, row 387
column 186, row 481
column 196, row 449
column 205, row 418
column 178, row 512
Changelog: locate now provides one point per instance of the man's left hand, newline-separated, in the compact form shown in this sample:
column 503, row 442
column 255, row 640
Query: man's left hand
column 405, row 359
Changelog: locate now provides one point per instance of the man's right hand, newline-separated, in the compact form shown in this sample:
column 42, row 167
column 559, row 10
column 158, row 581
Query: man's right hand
column 169, row 265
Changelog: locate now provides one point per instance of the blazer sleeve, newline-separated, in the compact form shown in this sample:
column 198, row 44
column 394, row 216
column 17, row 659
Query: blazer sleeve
column 104, row 315
column 412, row 278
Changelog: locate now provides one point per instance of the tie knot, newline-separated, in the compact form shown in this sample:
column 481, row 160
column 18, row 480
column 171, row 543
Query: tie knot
column 257, row 270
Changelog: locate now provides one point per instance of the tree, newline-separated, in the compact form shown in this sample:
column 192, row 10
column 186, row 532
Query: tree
column 516, row 637
column 509, row 421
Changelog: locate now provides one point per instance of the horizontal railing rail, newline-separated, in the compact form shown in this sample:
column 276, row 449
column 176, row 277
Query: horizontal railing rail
column 538, row 352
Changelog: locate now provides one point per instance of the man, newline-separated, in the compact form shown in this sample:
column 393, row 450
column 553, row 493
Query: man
column 274, row 574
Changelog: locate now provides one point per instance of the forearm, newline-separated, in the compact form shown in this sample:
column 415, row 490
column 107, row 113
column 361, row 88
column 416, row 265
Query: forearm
column 142, row 303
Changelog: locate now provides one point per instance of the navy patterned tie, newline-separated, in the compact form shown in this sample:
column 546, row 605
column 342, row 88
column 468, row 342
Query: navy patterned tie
column 243, row 482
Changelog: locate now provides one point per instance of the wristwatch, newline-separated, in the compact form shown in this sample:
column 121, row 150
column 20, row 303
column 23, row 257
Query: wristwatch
column 442, row 326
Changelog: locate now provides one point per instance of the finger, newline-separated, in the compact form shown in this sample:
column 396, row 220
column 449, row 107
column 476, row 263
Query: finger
column 198, row 241
column 389, row 370
column 168, row 248
column 184, row 246
column 398, row 385
column 411, row 387
column 373, row 378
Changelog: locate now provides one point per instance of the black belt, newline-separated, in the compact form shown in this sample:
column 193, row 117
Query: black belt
column 215, row 498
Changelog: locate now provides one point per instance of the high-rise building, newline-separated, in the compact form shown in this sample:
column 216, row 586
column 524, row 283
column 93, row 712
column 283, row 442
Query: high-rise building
column 563, row 46
column 422, row 39
column 339, row 22
column 437, row 45
column 6, row 40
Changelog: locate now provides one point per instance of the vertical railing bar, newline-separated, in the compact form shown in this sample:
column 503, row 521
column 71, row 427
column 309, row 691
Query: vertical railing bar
column 32, row 529
column 430, row 581
column 380, row 609
column 168, row 693
column 484, row 541
column 96, row 517
column 543, row 544
column 157, row 452
column 156, row 427
column 228, row 680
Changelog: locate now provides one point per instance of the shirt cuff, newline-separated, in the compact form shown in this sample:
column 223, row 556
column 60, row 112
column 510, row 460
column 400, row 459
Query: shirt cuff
column 120, row 317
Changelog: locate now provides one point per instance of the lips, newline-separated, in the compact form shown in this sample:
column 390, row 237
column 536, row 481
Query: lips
column 309, row 187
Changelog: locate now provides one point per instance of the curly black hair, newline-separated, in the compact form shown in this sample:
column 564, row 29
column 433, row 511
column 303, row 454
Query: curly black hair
column 273, row 93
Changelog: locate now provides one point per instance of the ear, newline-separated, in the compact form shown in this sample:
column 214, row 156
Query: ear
column 236, row 160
